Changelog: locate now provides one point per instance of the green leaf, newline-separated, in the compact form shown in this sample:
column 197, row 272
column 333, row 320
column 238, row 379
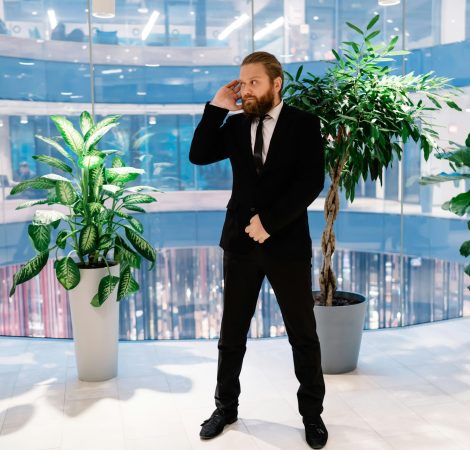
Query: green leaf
column 56, row 145
column 442, row 177
column 95, row 134
column 88, row 240
column 65, row 193
column 141, row 245
column 61, row 239
column 40, row 235
column 142, row 188
column 110, row 152
column 392, row 43
column 33, row 183
column 372, row 35
column 134, row 208
column 118, row 162
column 55, row 177
column 90, row 161
column 105, row 242
column 466, row 269
column 105, row 289
column 111, row 188
column 54, row 162
column 29, row 270
column 122, row 174
column 453, row 105
column 136, row 225
column 97, row 180
column 336, row 54
column 467, row 141
column 125, row 254
column 86, row 122
column 465, row 249
column 127, row 284
column 67, row 272
column 299, row 72
column 352, row 26
column 398, row 53
column 47, row 216
column 138, row 198
column 460, row 204
column 32, row 203
column 373, row 22
column 434, row 100
column 69, row 134
column 95, row 207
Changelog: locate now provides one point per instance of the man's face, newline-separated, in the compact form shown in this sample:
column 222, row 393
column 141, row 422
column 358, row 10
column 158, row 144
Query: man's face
column 257, row 90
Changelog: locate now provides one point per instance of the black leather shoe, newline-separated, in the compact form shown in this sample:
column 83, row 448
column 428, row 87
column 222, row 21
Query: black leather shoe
column 316, row 433
column 215, row 424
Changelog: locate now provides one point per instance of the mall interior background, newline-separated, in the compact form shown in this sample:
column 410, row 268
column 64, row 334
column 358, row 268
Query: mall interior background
column 157, row 62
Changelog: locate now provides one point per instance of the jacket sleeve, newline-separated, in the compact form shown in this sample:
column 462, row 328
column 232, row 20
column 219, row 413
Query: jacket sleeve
column 308, row 181
column 210, row 138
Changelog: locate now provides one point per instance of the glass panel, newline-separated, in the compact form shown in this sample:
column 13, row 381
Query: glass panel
column 157, row 63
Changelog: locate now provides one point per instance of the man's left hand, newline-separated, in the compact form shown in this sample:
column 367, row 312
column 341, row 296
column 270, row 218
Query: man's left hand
column 256, row 230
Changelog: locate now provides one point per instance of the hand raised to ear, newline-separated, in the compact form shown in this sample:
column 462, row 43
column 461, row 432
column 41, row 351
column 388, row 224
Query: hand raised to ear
column 227, row 96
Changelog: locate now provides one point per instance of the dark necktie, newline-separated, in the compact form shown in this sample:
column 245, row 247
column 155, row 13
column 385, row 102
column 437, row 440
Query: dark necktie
column 258, row 151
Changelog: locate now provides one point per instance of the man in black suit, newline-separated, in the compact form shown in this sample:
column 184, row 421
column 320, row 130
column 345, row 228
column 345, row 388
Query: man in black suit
column 277, row 160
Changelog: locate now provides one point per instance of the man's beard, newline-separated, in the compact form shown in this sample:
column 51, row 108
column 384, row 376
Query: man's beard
column 259, row 107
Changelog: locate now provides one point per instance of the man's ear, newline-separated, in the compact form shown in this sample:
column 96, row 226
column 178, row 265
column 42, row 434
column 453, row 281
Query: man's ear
column 278, row 84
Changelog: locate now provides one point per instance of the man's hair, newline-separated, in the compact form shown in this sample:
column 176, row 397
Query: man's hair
column 271, row 64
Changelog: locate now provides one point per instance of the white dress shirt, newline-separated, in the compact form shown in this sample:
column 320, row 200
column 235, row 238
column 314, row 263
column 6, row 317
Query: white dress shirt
column 268, row 128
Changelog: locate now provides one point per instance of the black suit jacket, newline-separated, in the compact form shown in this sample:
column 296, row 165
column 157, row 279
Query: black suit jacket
column 292, row 177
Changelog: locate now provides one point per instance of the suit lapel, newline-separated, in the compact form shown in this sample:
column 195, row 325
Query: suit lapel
column 276, row 140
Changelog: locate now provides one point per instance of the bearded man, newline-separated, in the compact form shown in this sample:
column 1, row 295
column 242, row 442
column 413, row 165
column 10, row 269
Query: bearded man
column 277, row 159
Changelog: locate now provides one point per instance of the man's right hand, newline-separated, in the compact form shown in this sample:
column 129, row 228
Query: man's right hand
column 227, row 96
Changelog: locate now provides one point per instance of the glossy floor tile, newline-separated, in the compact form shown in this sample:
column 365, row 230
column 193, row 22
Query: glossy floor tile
column 411, row 390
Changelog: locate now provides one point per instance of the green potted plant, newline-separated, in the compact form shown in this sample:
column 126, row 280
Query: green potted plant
column 366, row 114
column 95, row 242
column 459, row 161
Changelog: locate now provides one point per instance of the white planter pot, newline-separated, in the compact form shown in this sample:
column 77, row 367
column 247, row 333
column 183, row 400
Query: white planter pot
column 95, row 329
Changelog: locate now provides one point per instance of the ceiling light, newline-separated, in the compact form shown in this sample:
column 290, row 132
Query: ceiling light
column 103, row 9
column 233, row 26
column 148, row 27
column 389, row 2
column 52, row 18
column 111, row 71
column 269, row 28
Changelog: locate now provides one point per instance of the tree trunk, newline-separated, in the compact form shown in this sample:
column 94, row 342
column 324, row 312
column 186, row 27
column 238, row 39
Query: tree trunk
column 328, row 242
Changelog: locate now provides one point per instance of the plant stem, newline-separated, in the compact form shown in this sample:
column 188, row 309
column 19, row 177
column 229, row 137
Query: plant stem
column 328, row 242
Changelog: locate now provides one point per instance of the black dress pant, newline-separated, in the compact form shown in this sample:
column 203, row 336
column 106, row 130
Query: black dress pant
column 292, row 285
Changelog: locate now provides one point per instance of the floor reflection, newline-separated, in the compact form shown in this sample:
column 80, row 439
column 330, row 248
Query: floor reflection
column 182, row 297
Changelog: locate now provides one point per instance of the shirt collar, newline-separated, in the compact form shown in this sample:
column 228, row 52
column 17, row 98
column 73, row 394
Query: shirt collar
column 274, row 112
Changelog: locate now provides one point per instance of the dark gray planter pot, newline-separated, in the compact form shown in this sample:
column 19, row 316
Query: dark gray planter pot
column 339, row 330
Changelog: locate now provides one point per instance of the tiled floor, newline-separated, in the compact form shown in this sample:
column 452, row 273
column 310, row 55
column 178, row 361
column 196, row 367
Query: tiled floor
column 411, row 390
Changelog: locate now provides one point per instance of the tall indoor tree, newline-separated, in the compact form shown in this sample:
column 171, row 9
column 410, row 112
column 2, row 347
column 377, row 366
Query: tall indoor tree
column 367, row 115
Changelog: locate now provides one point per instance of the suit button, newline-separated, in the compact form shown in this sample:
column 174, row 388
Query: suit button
column 252, row 209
